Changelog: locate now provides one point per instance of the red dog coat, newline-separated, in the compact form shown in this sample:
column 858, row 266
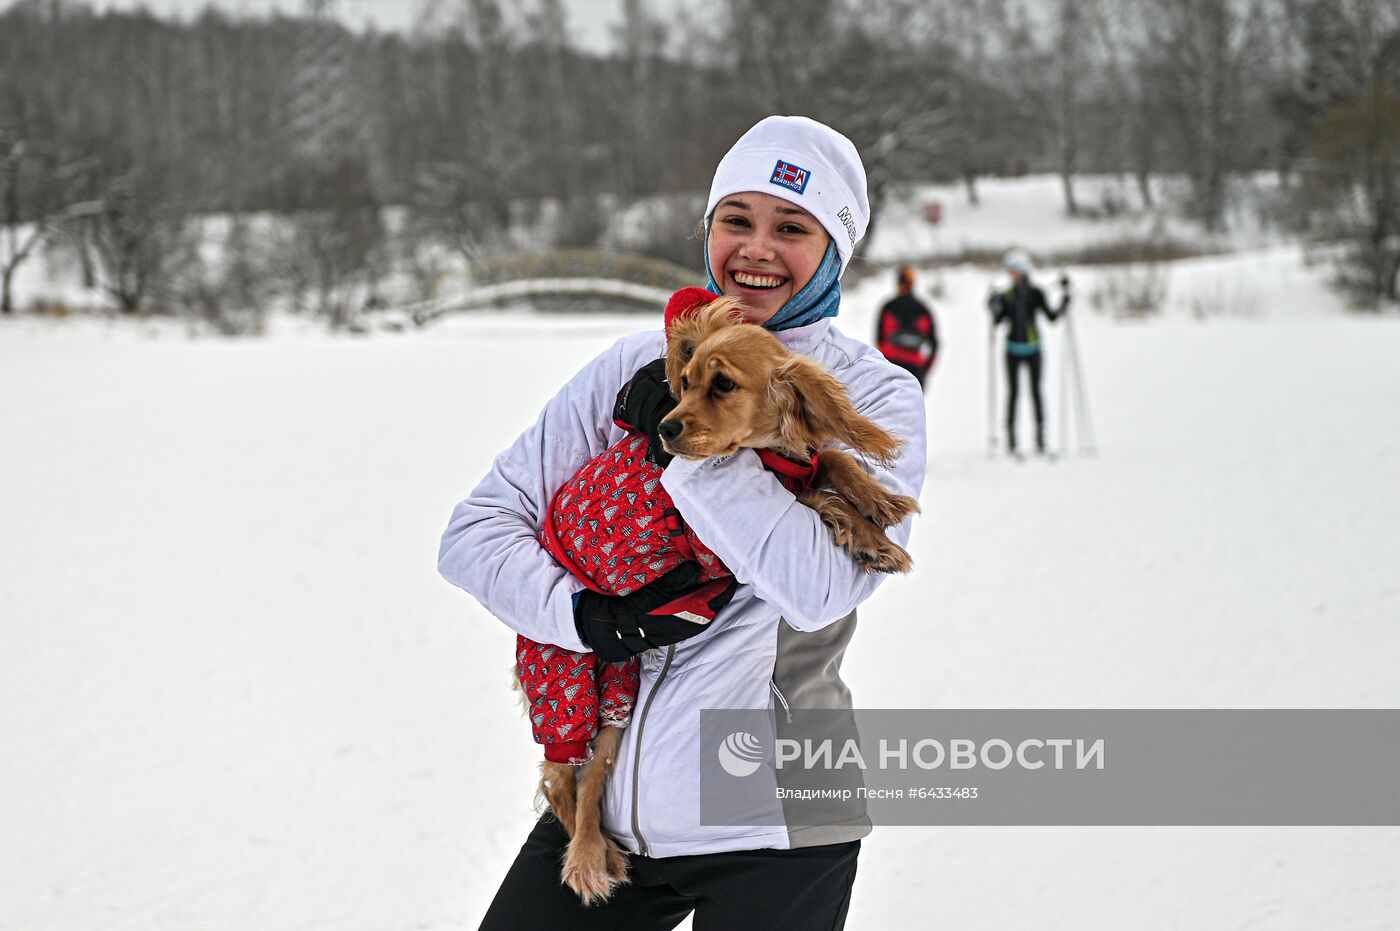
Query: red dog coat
column 614, row 528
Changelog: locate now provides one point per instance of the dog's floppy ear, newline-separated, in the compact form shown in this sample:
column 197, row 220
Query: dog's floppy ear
column 813, row 407
column 687, row 332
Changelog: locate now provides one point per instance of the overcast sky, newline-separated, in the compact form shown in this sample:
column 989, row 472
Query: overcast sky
column 591, row 21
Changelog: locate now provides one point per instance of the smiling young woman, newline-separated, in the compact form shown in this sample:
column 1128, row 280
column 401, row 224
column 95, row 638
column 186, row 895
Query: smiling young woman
column 763, row 250
column 787, row 206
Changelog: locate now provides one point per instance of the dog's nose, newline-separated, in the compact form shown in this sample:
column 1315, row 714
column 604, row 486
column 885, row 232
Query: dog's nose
column 670, row 430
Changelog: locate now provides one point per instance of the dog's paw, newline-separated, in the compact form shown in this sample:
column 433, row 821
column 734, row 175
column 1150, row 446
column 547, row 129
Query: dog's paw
column 593, row 884
column 897, row 561
column 890, row 510
column 593, row 867
column 617, row 862
column 838, row 524
column 874, row 552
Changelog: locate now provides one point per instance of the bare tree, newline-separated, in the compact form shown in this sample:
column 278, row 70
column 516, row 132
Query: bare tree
column 893, row 100
column 1203, row 50
column 37, row 196
column 1350, row 103
column 781, row 56
column 1069, row 58
column 641, row 39
column 1114, row 30
column 140, row 237
column 984, row 58
column 333, row 255
column 889, row 90
column 464, row 192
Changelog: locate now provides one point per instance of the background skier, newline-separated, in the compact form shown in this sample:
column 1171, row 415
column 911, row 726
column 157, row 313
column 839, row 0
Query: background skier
column 906, row 332
column 1017, row 306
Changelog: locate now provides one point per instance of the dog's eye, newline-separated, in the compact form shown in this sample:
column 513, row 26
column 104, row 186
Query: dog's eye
column 724, row 385
column 685, row 383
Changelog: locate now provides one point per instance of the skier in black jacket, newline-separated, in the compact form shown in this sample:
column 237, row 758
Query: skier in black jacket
column 1018, row 306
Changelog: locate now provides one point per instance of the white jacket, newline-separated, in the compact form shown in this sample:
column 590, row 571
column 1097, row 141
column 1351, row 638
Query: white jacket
column 783, row 634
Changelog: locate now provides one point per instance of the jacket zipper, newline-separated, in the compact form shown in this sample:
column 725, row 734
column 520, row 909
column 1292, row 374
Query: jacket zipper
column 773, row 684
column 637, row 760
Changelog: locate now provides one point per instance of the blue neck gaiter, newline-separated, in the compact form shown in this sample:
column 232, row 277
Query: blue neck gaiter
column 820, row 297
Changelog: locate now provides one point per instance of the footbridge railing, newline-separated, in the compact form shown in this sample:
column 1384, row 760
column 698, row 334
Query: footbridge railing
column 573, row 273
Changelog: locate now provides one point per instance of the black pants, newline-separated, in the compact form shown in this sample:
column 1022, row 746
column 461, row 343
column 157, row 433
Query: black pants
column 1013, row 381
column 808, row 889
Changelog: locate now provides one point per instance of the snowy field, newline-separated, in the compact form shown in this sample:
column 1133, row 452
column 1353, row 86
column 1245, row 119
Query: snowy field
column 235, row 695
column 1029, row 211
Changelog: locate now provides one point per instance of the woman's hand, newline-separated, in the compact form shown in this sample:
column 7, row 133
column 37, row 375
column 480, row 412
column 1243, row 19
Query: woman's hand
column 671, row 609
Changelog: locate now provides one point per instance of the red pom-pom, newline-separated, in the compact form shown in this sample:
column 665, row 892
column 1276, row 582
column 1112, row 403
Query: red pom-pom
column 686, row 300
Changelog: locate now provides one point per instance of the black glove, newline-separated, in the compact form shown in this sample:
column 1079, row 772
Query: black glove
column 671, row 609
column 643, row 403
column 995, row 300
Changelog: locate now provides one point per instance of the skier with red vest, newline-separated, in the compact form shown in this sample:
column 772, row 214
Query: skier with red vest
column 906, row 334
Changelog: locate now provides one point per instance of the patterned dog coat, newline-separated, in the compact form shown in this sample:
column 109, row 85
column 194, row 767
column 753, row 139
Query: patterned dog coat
column 614, row 528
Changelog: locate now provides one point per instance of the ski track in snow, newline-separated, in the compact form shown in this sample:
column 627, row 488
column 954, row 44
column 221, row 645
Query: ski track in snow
column 235, row 694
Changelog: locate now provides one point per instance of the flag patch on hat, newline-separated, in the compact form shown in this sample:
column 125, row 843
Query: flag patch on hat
column 788, row 175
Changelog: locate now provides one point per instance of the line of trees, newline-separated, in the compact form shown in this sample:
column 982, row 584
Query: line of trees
column 120, row 131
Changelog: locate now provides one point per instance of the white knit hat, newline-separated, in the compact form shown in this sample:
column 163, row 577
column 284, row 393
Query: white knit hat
column 805, row 163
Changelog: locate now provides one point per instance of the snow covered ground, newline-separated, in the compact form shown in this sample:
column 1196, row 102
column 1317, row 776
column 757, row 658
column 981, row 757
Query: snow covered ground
column 1029, row 211
column 234, row 694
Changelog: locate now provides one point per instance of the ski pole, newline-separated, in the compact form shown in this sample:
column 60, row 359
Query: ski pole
column 991, row 374
column 1087, row 442
column 1065, row 362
